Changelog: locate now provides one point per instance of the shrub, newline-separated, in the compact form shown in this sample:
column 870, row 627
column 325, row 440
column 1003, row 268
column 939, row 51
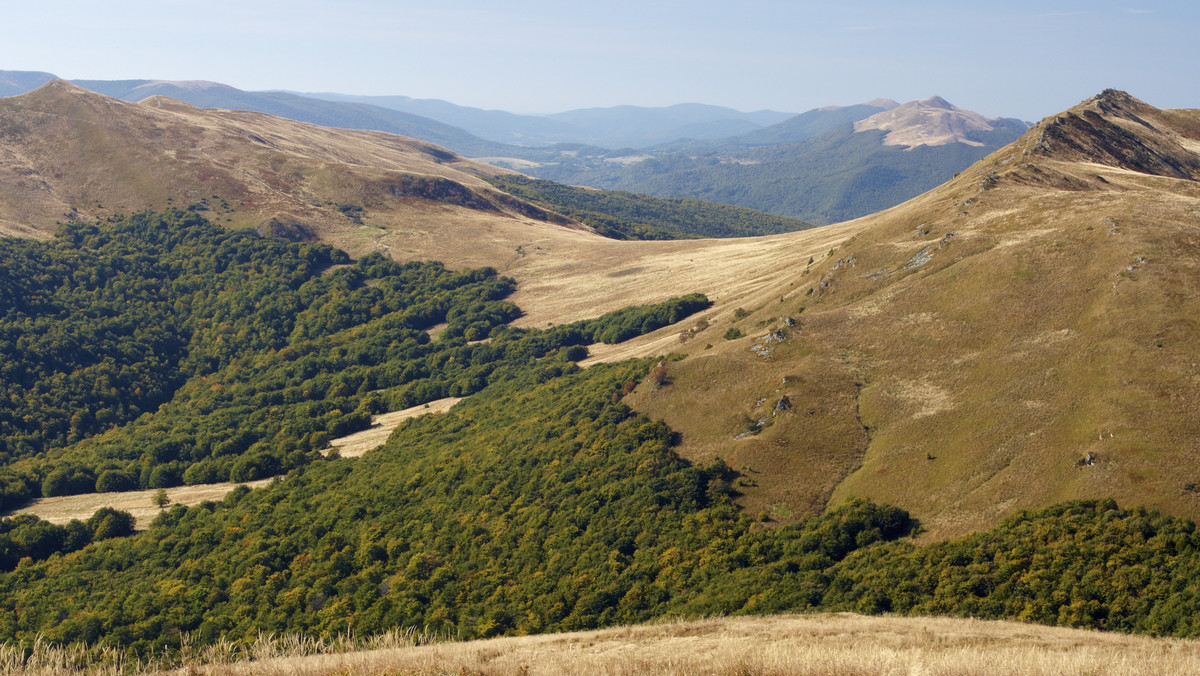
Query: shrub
column 112, row 481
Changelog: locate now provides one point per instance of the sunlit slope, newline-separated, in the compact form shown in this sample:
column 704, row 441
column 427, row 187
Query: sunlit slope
column 69, row 153
column 995, row 336
column 66, row 152
column 960, row 355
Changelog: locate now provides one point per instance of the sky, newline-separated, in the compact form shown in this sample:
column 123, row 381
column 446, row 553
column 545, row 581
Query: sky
column 1013, row 59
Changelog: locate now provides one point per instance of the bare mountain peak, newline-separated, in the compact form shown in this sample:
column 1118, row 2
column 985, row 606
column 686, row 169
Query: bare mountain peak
column 933, row 121
column 60, row 86
column 59, row 96
column 935, row 102
column 886, row 104
column 162, row 102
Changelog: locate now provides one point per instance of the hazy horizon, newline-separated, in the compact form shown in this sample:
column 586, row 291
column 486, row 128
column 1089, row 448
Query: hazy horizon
column 1022, row 59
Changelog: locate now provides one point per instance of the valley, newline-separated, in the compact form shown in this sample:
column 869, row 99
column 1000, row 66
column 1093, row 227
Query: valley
column 966, row 404
column 852, row 160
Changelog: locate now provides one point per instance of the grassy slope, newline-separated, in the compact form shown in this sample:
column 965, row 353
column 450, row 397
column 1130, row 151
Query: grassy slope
column 1062, row 307
column 1056, row 322
column 1005, row 358
column 77, row 154
column 802, row 645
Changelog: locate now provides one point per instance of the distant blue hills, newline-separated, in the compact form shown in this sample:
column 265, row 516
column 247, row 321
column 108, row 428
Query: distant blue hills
column 812, row 166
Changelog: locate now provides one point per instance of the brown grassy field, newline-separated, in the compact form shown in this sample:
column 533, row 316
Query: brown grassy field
column 70, row 153
column 799, row 645
column 139, row 503
column 354, row 445
column 60, row 510
column 961, row 353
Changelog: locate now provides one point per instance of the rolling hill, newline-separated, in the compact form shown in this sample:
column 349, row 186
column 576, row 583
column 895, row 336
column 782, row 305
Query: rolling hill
column 1019, row 336
column 71, row 153
column 976, row 342
column 684, row 151
column 933, row 409
column 824, row 166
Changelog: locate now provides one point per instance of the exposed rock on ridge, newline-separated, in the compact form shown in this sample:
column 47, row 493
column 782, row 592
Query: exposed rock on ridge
column 1118, row 130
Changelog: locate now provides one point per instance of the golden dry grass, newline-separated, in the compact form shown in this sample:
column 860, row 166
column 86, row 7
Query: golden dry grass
column 73, row 153
column 1054, row 323
column 60, row 510
column 799, row 645
column 354, row 445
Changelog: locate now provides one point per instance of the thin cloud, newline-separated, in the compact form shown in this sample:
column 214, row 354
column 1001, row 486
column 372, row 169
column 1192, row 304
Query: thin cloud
column 1140, row 11
column 859, row 28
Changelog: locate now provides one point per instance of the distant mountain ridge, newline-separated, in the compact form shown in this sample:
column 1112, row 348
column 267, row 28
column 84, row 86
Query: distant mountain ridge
column 822, row 166
column 935, row 122
column 15, row 82
column 205, row 94
column 614, row 127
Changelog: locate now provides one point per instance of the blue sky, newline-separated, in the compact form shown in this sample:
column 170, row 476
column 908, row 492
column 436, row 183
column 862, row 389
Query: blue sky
column 1017, row 58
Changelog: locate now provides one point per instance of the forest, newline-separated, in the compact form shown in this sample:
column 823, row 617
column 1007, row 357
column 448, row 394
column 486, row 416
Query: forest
column 160, row 350
column 626, row 215
column 845, row 174
column 540, row 503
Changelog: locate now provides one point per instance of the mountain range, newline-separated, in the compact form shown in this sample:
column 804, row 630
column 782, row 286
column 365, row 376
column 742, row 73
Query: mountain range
column 695, row 151
column 1072, row 240
column 825, row 166
column 977, row 402
column 616, row 127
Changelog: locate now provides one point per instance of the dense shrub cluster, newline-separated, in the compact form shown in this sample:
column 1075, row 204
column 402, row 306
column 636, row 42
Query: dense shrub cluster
column 28, row 537
column 626, row 215
column 159, row 350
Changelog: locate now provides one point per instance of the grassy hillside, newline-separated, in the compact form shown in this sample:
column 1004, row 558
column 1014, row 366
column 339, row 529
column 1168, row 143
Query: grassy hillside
column 344, row 115
column 625, row 215
column 801, row 645
column 544, row 503
column 1007, row 359
column 989, row 337
column 75, row 154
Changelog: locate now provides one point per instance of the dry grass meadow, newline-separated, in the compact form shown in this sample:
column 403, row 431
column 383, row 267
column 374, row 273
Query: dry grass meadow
column 354, row 445
column 140, row 504
column 794, row 645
